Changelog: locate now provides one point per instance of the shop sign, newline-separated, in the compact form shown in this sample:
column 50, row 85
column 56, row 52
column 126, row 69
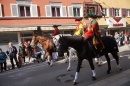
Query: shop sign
column 116, row 22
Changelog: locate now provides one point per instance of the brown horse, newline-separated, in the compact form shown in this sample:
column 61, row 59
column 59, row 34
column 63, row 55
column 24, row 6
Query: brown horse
column 48, row 45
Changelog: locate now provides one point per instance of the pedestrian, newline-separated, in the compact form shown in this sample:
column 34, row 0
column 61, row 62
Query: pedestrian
column 30, row 51
column 22, row 52
column 12, row 53
column 3, row 57
column 117, row 38
column 121, row 35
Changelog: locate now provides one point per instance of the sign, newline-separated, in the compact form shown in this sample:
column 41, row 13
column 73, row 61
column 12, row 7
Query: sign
column 116, row 22
column 91, row 7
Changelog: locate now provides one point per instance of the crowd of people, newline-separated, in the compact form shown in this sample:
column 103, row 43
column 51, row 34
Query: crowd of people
column 122, row 38
column 25, row 50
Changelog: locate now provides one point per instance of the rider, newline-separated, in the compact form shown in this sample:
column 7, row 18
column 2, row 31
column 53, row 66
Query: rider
column 92, row 33
column 56, row 31
column 80, row 27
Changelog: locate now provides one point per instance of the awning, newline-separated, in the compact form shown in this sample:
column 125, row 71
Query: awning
column 60, row 28
column 2, row 29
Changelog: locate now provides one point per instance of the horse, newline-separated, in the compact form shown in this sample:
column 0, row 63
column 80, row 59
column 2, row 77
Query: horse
column 85, row 52
column 48, row 45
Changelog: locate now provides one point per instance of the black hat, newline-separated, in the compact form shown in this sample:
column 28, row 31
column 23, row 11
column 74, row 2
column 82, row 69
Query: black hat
column 56, row 25
column 78, row 19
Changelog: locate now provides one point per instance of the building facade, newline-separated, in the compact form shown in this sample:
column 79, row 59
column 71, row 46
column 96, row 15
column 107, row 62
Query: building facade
column 20, row 18
column 117, row 16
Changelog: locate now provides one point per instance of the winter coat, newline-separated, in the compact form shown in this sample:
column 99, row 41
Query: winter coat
column 22, row 50
column 12, row 51
column 3, row 57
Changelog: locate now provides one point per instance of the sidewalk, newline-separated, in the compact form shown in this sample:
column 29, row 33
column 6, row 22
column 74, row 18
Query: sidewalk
column 120, row 79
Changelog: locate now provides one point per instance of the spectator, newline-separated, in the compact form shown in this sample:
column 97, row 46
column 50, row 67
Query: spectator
column 121, row 35
column 30, row 51
column 2, row 60
column 117, row 38
column 12, row 52
column 22, row 51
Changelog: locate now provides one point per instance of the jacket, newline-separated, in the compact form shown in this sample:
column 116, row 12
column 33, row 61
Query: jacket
column 3, row 57
column 56, row 32
column 22, row 50
column 79, row 29
column 12, row 51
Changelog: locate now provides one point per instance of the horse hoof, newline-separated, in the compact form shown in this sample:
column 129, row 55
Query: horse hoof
column 99, row 65
column 74, row 82
column 48, row 63
column 93, row 78
column 108, row 72
column 120, row 69
column 68, row 70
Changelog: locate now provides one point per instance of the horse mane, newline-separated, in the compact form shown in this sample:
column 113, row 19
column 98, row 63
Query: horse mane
column 73, row 39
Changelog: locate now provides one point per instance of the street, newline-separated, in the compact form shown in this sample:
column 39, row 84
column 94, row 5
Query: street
column 41, row 74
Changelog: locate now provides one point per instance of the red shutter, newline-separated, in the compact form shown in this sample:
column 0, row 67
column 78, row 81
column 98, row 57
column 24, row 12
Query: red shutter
column 110, row 12
column 124, row 12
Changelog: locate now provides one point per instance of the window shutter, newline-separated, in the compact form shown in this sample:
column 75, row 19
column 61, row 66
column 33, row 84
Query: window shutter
column 123, row 12
column 63, row 11
column 0, row 10
column 48, row 11
column 81, row 12
column 14, row 10
column 111, row 12
column 99, row 11
column 70, row 11
column 34, row 12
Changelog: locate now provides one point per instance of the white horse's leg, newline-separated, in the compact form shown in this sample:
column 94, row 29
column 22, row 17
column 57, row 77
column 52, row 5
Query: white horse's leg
column 96, row 60
column 48, row 60
column 119, row 67
column 66, row 57
column 51, row 63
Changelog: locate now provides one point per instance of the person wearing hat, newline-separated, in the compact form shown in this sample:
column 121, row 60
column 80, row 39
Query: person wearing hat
column 92, row 32
column 56, row 31
column 22, row 51
column 80, row 27
column 3, row 57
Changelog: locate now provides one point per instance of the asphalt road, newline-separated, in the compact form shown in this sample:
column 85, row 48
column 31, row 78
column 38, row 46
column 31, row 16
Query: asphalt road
column 40, row 74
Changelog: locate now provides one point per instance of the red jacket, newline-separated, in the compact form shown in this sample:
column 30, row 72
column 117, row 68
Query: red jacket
column 94, row 29
column 56, row 32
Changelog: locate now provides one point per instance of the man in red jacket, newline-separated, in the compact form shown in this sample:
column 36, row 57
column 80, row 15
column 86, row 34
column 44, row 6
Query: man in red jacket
column 56, row 31
column 92, row 33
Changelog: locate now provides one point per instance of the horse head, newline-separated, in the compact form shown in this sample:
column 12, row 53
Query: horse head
column 63, row 47
column 34, row 40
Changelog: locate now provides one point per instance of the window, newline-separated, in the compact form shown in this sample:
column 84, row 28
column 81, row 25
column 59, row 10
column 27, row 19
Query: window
column 24, row 11
column 128, row 12
column 116, row 11
column 21, row 10
column 105, row 11
column 55, row 11
column 76, row 11
column 0, row 10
